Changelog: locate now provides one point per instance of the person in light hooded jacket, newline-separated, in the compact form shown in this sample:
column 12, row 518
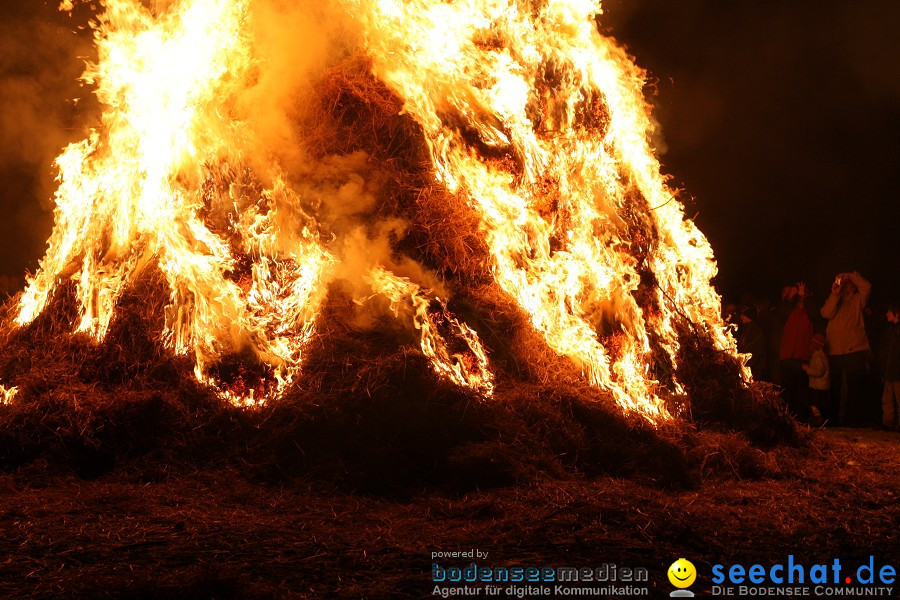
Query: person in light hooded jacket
column 847, row 345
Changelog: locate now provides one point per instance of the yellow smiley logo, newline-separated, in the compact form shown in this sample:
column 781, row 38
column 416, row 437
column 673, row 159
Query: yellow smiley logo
column 682, row 573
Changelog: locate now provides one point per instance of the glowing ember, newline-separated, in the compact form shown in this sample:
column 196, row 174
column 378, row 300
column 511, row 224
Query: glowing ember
column 7, row 394
column 403, row 295
column 531, row 116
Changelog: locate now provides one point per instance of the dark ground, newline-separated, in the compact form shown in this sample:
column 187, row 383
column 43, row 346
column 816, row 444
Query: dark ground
column 216, row 534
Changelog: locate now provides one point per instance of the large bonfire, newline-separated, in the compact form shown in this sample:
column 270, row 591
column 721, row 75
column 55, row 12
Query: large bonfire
column 476, row 178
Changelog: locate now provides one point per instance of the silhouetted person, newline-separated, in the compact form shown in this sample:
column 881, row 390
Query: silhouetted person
column 889, row 361
column 777, row 320
column 766, row 318
column 819, row 380
column 795, row 348
column 730, row 314
column 847, row 345
column 751, row 340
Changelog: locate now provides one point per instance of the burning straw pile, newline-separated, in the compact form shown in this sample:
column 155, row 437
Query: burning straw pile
column 450, row 262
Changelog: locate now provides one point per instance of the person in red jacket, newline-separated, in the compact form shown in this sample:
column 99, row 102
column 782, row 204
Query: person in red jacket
column 847, row 344
column 795, row 349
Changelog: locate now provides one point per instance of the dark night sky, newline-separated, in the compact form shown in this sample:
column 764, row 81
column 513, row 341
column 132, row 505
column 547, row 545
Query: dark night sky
column 782, row 121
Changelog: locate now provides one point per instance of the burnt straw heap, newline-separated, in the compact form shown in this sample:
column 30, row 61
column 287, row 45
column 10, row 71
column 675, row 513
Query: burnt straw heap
column 424, row 236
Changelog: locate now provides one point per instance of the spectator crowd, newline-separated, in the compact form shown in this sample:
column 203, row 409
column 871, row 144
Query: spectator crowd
column 819, row 352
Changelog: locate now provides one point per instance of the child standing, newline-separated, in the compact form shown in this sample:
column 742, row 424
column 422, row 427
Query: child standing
column 819, row 379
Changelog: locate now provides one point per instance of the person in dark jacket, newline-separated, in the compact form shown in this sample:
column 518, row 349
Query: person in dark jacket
column 752, row 341
column 889, row 361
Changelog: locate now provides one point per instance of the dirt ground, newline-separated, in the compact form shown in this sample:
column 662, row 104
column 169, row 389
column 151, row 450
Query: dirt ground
column 219, row 535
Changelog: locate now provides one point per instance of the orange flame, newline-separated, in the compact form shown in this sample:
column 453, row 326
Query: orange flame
column 530, row 115
column 7, row 394
column 403, row 294
column 536, row 85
